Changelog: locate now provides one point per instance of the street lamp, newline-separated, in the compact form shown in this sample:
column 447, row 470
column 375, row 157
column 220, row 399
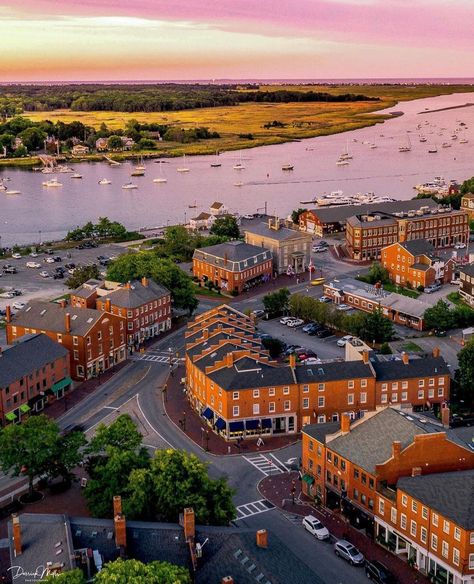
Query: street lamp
column 184, row 421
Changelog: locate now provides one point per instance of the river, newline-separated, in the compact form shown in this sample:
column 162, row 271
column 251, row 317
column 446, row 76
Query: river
column 41, row 214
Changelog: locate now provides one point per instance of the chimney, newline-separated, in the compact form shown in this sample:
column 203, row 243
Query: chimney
column 108, row 305
column 262, row 538
column 292, row 360
column 128, row 285
column 405, row 358
column 227, row 580
column 396, row 448
column 205, row 334
column 117, row 505
column 445, row 413
column 16, row 534
column 189, row 523
column 436, row 352
column 345, row 423
column 145, row 282
column 229, row 359
column 416, row 471
column 365, row 356
column 62, row 303
column 120, row 530
column 8, row 313
column 67, row 322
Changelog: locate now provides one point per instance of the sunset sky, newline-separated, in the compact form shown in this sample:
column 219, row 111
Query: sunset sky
column 213, row 39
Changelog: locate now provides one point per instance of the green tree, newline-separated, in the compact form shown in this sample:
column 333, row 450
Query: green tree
column 114, row 142
column 81, row 275
column 135, row 572
column 377, row 273
column 273, row 346
column 276, row 303
column 7, row 141
column 439, row 316
column 122, row 434
column 295, row 215
column 385, row 349
column 32, row 138
column 377, row 328
column 465, row 373
column 467, row 186
column 225, row 226
column 179, row 243
column 146, row 144
column 36, row 447
column 72, row 577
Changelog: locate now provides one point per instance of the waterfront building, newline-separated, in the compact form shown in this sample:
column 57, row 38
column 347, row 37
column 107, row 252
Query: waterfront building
column 467, row 204
column 466, row 290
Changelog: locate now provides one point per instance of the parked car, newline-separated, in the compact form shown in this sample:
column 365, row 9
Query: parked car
column 460, row 245
column 432, row 288
column 459, row 420
column 58, row 276
column 71, row 271
column 49, row 260
column 33, row 265
column 49, row 251
column 315, row 527
column 58, row 259
column 104, row 262
column 44, row 274
column 311, row 361
column 455, row 282
column 286, row 319
column 33, row 254
column 8, row 294
column 314, row 330
column 343, row 307
column 16, row 256
column 324, row 333
column 19, row 305
column 440, row 333
column 16, row 292
column 379, row 573
column 343, row 340
column 70, row 266
column 320, row 248
column 324, row 299
column 291, row 349
column 318, row 281
column 10, row 270
column 295, row 323
column 344, row 549
column 259, row 313
column 308, row 326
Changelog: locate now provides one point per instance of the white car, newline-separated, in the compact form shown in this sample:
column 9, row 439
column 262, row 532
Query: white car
column 19, row 305
column 71, row 271
column 455, row 282
column 343, row 307
column 311, row 361
column 16, row 256
column 33, row 265
column 343, row 340
column 460, row 246
column 248, row 216
column 44, row 274
column 286, row 319
column 33, row 254
column 315, row 527
column 295, row 322
column 7, row 295
column 49, row 260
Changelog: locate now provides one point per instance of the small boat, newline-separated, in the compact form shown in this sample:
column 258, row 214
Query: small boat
column 216, row 164
column 141, row 165
column 405, row 147
column 432, row 150
column 463, row 141
column 183, row 168
column 346, row 155
column 238, row 184
column 52, row 183
column 76, row 175
column 193, row 206
column 3, row 187
column 288, row 167
column 13, row 192
column 105, row 181
column 239, row 165
column 342, row 163
column 373, row 145
column 446, row 145
column 129, row 186
column 161, row 178
column 137, row 172
column 423, row 139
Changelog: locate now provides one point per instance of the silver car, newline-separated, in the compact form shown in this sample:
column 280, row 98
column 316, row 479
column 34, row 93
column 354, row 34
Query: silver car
column 344, row 549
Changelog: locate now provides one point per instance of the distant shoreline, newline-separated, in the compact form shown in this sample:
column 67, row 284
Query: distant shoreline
column 444, row 109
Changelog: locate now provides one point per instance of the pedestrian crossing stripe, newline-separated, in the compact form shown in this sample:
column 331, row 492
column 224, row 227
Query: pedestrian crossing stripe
column 253, row 508
column 265, row 465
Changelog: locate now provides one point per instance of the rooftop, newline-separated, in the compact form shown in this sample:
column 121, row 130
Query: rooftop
column 332, row 371
column 418, row 367
column 449, row 493
column 135, row 294
column 320, row 431
column 232, row 251
column 280, row 234
column 28, row 354
column 418, row 247
column 468, row 270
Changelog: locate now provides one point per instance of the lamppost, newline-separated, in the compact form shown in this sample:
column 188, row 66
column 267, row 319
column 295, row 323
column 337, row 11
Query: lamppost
column 184, row 421
column 207, row 440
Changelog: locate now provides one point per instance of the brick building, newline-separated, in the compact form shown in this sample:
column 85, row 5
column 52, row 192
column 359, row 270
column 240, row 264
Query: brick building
column 33, row 372
column 363, row 467
column 467, row 204
column 466, row 290
column 368, row 233
column 95, row 340
column 145, row 305
column 240, row 391
column 415, row 263
column 233, row 266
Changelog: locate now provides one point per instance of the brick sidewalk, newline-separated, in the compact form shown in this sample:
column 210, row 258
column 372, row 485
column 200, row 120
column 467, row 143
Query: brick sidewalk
column 178, row 409
column 277, row 490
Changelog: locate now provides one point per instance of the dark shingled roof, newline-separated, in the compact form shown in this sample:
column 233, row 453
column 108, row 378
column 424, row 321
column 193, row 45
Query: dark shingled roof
column 332, row 371
column 216, row 326
column 370, row 441
column 233, row 251
column 281, row 234
column 221, row 352
column 422, row 367
column 136, row 294
column 420, row 267
column 418, row 247
column 247, row 372
column 28, row 354
column 320, row 431
column 449, row 493
column 469, row 270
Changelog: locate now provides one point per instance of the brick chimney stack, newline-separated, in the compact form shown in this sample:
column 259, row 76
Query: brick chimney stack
column 227, row 580
column 445, row 414
column 120, row 530
column 396, row 448
column 8, row 313
column 436, row 352
column 145, row 282
column 292, row 360
column 62, row 303
column 117, row 505
column 67, row 322
column 345, row 424
column 16, row 534
column 229, row 359
column 189, row 525
column 365, row 356
column 108, row 305
column 262, row 538
column 405, row 358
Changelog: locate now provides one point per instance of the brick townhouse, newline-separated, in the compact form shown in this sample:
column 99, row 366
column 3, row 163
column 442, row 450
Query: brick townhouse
column 232, row 382
column 145, row 305
column 33, row 372
column 467, row 204
column 95, row 340
column 415, row 263
column 360, row 468
column 466, row 290
column 368, row 233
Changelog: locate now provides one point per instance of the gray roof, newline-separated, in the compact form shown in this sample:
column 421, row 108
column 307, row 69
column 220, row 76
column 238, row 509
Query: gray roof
column 247, row 372
column 28, row 354
column 232, row 251
column 136, row 294
column 281, row 234
column 419, row 367
column 449, row 493
column 370, row 441
column 40, row 534
column 216, row 326
column 50, row 316
column 468, row 270
column 203, row 216
column 340, row 214
column 218, row 354
column 332, row 371
column 421, row 267
column 359, row 220
column 320, row 431
column 418, row 247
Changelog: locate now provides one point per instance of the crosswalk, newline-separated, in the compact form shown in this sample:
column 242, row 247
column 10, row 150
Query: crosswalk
column 254, row 508
column 266, row 465
column 158, row 359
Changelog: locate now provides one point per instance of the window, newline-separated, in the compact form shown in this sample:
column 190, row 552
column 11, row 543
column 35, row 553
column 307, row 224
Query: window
column 414, row 506
column 271, row 391
column 384, row 387
column 350, row 384
column 421, row 394
column 471, row 538
column 457, row 534
column 76, row 355
column 434, row 542
column 256, row 393
column 271, row 407
column 440, row 392
column 446, row 526
column 363, row 397
column 393, row 515
column 471, row 561
column 384, row 398
column 394, row 397
column 305, row 403
column 356, row 473
column 321, row 401
column 311, row 445
column 287, row 405
column 286, row 391
column 381, row 506
column 256, row 409
column 445, row 549
column 456, row 556
column 363, row 499
column 356, row 494
column 235, row 411
column 364, row 479
column 434, row 519
column 75, row 341
column 329, row 456
column 235, row 395
column 336, row 460
column 404, row 500
column 395, row 385
column 413, row 528
column 350, row 399
column 423, row 534
column 421, row 383
column 404, row 384
column 305, row 388
column 320, row 386
column 363, row 382
column 424, row 512
column 343, row 465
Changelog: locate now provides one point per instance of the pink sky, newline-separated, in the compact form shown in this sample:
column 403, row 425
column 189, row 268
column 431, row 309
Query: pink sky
column 195, row 39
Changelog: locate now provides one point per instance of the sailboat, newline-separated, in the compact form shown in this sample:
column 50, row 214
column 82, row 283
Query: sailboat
column 193, row 206
column 160, row 179
column 287, row 167
column 405, row 147
column 184, row 167
column 239, row 165
column 216, row 164
column 346, row 155
column 433, row 149
column 140, row 165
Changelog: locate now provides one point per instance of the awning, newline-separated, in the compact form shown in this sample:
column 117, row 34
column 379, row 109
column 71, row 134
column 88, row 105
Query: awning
column 24, row 408
column 308, row 479
column 267, row 423
column 236, row 426
column 61, row 384
column 220, row 424
column 252, row 424
column 208, row 413
column 11, row 417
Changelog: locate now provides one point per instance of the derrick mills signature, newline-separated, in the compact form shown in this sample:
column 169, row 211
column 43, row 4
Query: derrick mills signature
column 39, row 574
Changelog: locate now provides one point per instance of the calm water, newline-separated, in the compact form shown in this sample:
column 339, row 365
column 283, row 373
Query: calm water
column 383, row 170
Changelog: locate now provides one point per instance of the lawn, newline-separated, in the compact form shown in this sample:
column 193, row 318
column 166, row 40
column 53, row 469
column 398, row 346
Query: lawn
column 455, row 298
column 390, row 287
column 411, row 347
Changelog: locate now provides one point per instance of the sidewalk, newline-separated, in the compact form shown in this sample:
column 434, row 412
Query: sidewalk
column 277, row 490
column 196, row 428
